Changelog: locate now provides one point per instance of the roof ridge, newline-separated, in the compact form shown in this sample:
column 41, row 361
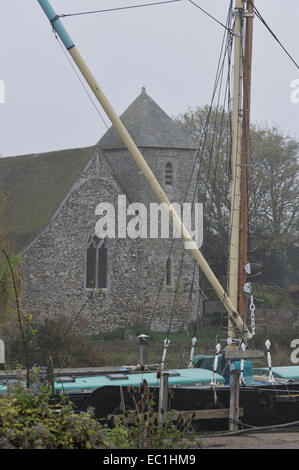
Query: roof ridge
column 149, row 126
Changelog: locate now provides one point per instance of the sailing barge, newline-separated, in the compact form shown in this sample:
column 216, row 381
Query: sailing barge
column 264, row 400
column 261, row 403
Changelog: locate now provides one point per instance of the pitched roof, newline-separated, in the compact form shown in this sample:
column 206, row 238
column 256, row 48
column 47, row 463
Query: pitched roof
column 34, row 186
column 149, row 126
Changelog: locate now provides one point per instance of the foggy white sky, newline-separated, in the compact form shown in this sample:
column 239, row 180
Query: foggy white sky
column 171, row 49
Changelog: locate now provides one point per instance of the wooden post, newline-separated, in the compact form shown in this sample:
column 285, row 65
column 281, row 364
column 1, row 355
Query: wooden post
column 163, row 397
column 234, row 403
column 245, row 160
column 235, row 164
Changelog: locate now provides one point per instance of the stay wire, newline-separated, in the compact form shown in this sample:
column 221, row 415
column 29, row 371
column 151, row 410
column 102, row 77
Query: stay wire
column 207, row 231
column 108, row 10
column 211, row 16
column 260, row 17
column 219, row 78
column 221, row 70
column 80, row 80
column 197, row 159
column 100, row 152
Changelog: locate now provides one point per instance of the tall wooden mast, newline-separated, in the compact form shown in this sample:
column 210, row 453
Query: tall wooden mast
column 245, row 159
column 233, row 280
column 57, row 25
column 240, row 158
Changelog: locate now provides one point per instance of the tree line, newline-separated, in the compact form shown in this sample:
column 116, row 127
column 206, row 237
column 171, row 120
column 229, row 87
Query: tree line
column 273, row 195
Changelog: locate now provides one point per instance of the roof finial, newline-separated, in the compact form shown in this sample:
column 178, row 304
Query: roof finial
column 143, row 90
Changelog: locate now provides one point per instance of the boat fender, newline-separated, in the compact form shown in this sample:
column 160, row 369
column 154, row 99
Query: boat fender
column 268, row 346
column 218, row 349
column 192, row 353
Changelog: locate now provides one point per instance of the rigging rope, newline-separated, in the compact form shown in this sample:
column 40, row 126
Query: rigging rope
column 129, row 7
column 268, row 346
column 253, row 429
column 242, row 363
column 79, row 78
column 258, row 14
column 211, row 16
column 193, row 342
column 227, row 39
column 98, row 112
column 199, row 155
column 215, row 366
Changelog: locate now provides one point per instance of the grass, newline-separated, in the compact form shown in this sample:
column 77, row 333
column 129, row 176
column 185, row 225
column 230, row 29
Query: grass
column 115, row 351
column 120, row 347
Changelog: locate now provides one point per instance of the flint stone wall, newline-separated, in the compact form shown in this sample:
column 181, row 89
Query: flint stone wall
column 54, row 265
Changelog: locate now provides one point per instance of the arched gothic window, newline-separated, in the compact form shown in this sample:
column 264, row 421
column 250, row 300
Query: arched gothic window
column 96, row 264
column 168, row 174
column 168, row 273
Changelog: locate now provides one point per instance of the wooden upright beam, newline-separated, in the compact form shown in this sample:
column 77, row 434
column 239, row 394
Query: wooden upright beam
column 236, row 163
column 243, row 247
column 234, row 404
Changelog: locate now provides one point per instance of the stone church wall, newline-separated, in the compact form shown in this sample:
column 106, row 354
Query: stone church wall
column 55, row 262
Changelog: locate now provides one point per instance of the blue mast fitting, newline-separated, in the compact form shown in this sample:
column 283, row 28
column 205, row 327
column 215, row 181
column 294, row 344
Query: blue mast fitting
column 57, row 24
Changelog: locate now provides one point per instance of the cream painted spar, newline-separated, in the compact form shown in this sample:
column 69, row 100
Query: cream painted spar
column 140, row 161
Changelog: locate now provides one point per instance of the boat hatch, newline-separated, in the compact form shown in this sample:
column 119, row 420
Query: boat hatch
column 117, row 376
column 9, row 381
column 173, row 373
column 65, row 379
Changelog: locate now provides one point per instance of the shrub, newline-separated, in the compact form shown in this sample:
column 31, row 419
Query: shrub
column 31, row 420
column 140, row 428
column 54, row 343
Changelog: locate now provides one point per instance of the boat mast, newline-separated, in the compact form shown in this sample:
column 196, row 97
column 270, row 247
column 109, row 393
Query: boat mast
column 57, row 25
column 237, row 112
column 245, row 160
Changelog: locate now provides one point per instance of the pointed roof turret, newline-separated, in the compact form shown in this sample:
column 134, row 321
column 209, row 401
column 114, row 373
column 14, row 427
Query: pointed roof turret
column 149, row 126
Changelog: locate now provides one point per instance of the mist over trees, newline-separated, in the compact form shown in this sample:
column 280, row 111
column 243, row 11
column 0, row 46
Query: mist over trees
column 273, row 195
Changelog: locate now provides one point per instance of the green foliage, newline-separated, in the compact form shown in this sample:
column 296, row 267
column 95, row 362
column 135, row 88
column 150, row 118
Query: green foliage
column 140, row 429
column 273, row 194
column 6, row 285
column 32, row 419
column 51, row 342
column 28, row 420
column 272, row 296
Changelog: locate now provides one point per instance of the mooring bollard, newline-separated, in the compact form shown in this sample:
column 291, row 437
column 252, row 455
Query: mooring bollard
column 143, row 349
column 2, row 355
column 163, row 397
column 234, row 404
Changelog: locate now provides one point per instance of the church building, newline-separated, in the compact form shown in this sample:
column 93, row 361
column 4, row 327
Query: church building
column 51, row 201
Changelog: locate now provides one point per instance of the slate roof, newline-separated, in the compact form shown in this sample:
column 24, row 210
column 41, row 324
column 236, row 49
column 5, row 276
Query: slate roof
column 149, row 126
